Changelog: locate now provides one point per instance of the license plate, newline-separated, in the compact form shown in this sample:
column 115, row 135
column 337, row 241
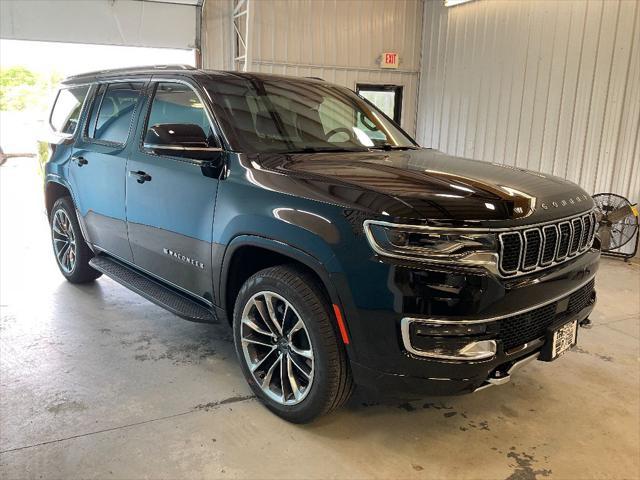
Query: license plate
column 564, row 337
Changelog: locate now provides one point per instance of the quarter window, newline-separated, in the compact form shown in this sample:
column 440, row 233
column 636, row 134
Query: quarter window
column 66, row 110
column 112, row 111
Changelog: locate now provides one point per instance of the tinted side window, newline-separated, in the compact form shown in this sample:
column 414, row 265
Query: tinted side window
column 66, row 110
column 177, row 103
column 95, row 108
column 112, row 111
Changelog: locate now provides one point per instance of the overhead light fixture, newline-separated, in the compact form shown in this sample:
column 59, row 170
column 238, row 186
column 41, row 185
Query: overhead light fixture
column 453, row 3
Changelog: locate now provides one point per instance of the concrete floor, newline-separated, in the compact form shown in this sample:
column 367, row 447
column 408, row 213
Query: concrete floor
column 97, row 382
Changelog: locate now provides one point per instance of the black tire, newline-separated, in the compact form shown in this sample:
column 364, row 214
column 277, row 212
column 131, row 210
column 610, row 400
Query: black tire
column 81, row 271
column 332, row 383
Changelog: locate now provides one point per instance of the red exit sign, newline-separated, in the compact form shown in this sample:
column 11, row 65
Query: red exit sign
column 389, row 60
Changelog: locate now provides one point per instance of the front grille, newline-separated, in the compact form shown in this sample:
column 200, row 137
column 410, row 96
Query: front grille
column 580, row 299
column 526, row 327
column 533, row 248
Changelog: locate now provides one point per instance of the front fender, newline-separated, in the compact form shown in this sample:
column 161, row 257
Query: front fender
column 334, row 282
column 276, row 246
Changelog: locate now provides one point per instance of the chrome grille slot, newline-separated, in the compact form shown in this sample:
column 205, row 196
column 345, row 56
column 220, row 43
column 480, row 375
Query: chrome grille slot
column 550, row 235
column 594, row 230
column 510, row 252
column 564, row 230
column 532, row 248
column 577, row 227
column 586, row 231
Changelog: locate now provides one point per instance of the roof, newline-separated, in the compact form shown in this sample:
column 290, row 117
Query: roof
column 114, row 72
column 173, row 69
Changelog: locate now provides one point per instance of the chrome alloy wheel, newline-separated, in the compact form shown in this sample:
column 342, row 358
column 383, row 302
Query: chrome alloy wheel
column 277, row 348
column 64, row 241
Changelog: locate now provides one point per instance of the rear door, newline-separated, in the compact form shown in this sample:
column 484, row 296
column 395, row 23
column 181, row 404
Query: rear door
column 171, row 199
column 97, row 169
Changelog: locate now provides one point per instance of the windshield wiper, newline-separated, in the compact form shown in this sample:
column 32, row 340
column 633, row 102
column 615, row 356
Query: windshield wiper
column 324, row 150
column 388, row 146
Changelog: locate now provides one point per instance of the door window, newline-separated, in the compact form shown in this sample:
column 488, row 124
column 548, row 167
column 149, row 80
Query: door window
column 112, row 111
column 176, row 104
column 66, row 109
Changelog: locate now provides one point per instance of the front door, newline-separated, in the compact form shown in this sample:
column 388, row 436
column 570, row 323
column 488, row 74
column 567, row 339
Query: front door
column 171, row 199
column 98, row 165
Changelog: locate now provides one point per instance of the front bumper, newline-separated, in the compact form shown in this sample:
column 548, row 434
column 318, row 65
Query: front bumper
column 476, row 375
column 383, row 360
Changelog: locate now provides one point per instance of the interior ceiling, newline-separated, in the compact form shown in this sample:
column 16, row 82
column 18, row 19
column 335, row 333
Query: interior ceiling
column 140, row 23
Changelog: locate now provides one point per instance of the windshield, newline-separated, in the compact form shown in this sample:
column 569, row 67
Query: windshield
column 300, row 116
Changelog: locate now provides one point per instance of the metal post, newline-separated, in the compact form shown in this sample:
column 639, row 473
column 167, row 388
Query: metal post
column 241, row 12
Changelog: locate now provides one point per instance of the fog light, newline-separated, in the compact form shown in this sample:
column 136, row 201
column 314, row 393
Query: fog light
column 446, row 341
column 472, row 351
column 479, row 350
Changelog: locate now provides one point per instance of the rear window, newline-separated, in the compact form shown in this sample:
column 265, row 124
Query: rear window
column 112, row 111
column 66, row 109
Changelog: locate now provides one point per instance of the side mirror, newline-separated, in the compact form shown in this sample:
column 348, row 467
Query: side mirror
column 179, row 139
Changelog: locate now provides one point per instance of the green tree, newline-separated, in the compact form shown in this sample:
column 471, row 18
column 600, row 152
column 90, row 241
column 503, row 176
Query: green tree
column 22, row 89
column 17, row 76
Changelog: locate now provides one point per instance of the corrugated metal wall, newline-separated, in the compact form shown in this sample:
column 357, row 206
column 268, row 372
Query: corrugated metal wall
column 550, row 85
column 217, row 35
column 340, row 41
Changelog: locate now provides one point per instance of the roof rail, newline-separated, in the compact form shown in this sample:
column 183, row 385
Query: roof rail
column 147, row 68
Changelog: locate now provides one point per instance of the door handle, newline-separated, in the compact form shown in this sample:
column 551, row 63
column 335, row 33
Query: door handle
column 80, row 160
column 142, row 176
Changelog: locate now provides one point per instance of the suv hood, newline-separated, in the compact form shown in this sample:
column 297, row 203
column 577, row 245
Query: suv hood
column 429, row 185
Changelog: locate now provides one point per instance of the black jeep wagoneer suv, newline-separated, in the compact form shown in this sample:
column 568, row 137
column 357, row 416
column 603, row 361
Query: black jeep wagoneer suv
column 340, row 251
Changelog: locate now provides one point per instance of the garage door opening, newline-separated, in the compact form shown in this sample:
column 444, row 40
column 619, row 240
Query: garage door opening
column 30, row 72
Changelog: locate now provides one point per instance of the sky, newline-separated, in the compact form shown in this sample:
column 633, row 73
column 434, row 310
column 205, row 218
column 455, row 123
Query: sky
column 71, row 58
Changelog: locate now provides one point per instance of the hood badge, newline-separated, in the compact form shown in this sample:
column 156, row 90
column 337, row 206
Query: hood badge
column 564, row 202
column 183, row 258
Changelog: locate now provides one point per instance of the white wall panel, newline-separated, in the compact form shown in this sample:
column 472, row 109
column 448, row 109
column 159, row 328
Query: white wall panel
column 217, row 35
column 340, row 41
column 551, row 85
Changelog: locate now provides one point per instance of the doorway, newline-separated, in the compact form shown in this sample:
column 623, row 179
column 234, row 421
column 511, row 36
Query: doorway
column 387, row 98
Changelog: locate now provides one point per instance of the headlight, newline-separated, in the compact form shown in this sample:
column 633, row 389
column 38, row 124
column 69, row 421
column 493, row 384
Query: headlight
column 420, row 243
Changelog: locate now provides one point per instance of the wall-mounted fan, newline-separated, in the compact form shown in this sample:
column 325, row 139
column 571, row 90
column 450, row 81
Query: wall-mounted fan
column 617, row 224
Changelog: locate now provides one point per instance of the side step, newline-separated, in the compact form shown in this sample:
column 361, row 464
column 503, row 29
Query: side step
column 154, row 291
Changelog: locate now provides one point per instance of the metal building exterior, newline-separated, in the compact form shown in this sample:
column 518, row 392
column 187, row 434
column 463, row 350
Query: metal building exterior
column 549, row 85
column 552, row 86
column 339, row 41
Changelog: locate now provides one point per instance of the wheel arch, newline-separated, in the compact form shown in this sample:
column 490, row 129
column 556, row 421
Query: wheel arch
column 55, row 188
column 248, row 254
column 53, row 191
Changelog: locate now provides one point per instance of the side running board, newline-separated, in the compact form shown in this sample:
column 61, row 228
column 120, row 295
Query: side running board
column 154, row 291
